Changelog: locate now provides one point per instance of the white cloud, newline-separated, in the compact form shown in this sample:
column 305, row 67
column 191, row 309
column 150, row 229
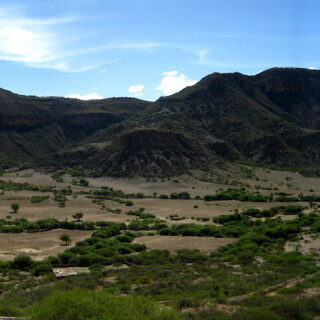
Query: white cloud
column 312, row 68
column 173, row 82
column 90, row 96
column 136, row 89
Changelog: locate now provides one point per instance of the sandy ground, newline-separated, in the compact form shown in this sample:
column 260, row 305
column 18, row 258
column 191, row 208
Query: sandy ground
column 185, row 208
column 283, row 180
column 37, row 245
column 173, row 244
column 50, row 208
column 92, row 212
column 48, row 243
column 305, row 245
column 291, row 182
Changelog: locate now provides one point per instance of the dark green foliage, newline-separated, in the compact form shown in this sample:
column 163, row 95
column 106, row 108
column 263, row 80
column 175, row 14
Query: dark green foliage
column 129, row 203
column 23, row 225
column 83, row 182
column 22, row 262
column 292, row 210
column 57, row 176
column 99, row 249
column 286, row 199
column 65, row 238
column 42, row 269
column 37, row 199
column 15, row 207
column 141, row 214
column 310, row 198
column 235, row 194
column 181, row 195
column 204, row 231
column 77, row 216
column 16, row 186
column 138, row 224
column 227, row 218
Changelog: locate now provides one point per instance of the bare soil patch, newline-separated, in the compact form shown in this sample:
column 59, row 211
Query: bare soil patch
column 51, row 209
column 37, row 245
column 204, row 244
column 185, row 208
column 304, row 245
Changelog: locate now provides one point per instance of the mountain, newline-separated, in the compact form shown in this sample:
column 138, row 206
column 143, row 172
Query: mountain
column 272, row 118
column 32, row 127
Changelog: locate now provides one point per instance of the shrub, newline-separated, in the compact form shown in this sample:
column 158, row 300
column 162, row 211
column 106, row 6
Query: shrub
column 184, row 195
column 124, row 238
column 22, row 262
column 85, row 304
column 41, row 269
column 292, row 210
column 236, row 194
column 36, row 199
column 15, row 207
column 286, row 199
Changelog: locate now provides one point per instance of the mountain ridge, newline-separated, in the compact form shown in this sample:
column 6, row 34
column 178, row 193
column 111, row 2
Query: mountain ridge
column 269, row 118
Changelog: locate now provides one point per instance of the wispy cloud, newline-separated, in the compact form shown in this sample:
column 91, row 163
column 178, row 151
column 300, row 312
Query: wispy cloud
column 44, row 43
column 31, row 41
column 204, row 59
column 50, row 43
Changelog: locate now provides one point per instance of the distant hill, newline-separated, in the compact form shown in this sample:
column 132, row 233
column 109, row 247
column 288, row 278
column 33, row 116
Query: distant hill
column 270, row 118
column 32, row 127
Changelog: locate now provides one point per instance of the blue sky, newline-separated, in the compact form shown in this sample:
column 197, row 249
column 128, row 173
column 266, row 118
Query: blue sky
column 148, row 48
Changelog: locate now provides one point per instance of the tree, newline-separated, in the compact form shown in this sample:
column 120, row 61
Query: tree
column 65, row 238
column 77, row 216
column 15, row 207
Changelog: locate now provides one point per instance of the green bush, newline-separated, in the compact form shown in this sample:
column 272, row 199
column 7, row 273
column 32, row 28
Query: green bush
column 292, row 210
column 41, row 269
column 37, row 199
column 91, row 305
column 236, row 194
column 22, row 262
